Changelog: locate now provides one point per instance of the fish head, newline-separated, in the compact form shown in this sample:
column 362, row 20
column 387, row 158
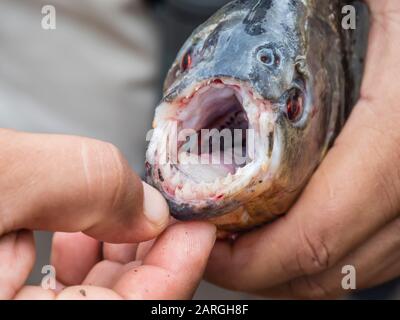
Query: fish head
column 246, row 72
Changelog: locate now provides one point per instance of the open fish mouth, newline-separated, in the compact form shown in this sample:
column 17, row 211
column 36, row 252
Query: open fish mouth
column 212, row 148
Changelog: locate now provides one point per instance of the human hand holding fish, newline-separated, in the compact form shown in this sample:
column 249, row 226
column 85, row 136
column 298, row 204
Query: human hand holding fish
column 347, row 215
column 349, row 212
column 86, row 188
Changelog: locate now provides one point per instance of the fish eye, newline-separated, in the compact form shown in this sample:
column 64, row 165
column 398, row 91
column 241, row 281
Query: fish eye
column 268, row 57
column 295, row 105
column 187, row 61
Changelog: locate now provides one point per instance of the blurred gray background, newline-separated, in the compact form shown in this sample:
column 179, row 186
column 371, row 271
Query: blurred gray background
column 98, row 74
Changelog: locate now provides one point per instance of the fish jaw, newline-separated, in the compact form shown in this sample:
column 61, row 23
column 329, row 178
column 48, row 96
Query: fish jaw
column 198, row 190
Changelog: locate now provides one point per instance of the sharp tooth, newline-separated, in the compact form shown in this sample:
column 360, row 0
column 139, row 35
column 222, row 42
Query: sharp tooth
column 204, row 189
column 178, row 193
column 217, row 184
column 175, row 180
column 182, row 158
column 239, row 172
column 186, row 190
column 207, row 188
column 229, row 179
column 166, row 171
column 213, row 187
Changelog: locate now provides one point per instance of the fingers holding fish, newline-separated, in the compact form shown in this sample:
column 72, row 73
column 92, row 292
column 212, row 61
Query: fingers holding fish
column 176, row 260
column 171, row 268
column 373, row 263
column 352, row 196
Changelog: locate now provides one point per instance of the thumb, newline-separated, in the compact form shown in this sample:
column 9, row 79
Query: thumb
column 70, row 184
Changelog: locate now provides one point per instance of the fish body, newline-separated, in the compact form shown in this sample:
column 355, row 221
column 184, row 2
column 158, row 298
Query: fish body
column 285, row 74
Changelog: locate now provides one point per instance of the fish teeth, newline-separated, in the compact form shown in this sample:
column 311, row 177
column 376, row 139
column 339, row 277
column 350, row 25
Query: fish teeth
column 204, row 189
column 186, row 191
column 239, row 172
column 208, row 187
column 229, row 179
column 217, row 183
column 182, row 158
column 178, row 193
column 176, row 179
column 215, row 186
column 166, row 171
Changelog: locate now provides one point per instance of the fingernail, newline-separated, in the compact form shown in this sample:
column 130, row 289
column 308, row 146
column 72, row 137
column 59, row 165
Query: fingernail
column 155, row 207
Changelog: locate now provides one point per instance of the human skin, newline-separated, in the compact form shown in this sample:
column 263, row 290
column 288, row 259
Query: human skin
column 86, row 189
column 349, row 212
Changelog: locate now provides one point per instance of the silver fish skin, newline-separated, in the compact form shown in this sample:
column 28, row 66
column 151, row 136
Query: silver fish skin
column 284, row 68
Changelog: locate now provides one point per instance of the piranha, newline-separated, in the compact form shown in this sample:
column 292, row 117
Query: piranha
column 282, row 75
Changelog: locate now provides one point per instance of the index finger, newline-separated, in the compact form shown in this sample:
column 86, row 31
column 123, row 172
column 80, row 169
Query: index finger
column 71, row 184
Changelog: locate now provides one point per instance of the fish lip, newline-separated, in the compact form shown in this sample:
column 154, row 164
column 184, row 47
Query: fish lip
column 210, row 206
column 187, row 212
column 180, row 95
